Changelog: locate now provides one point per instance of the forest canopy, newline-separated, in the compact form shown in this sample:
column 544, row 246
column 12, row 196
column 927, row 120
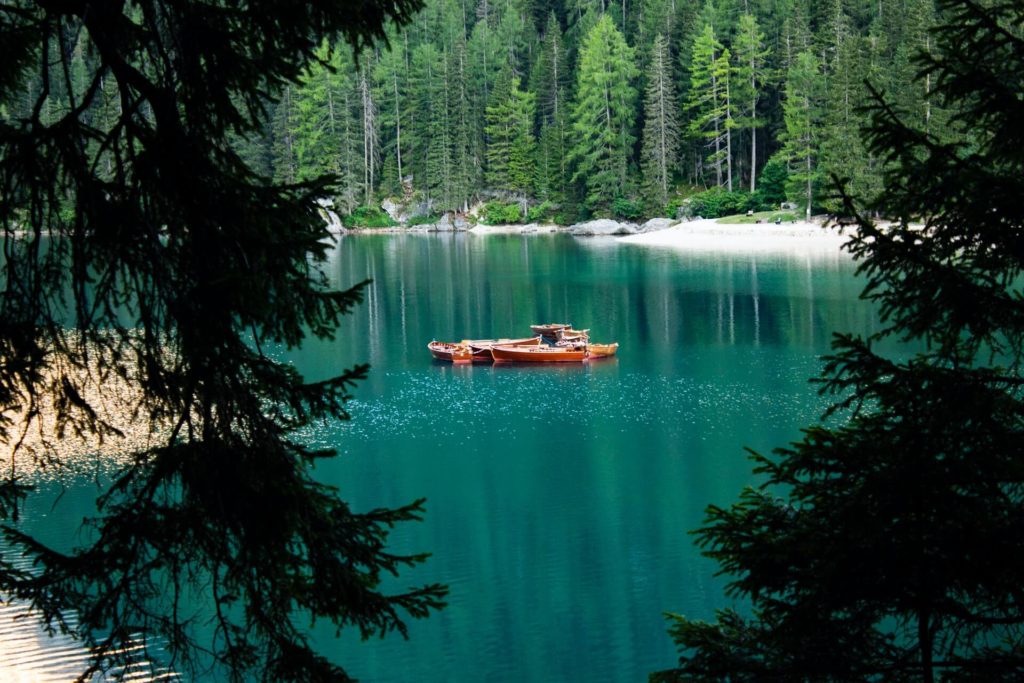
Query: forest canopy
column 681, row 97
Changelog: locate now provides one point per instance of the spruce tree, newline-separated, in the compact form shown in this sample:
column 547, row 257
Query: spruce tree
column 285, row 126
column 467, row 164
column 887, row 543
column 510, row 142
column 804, row 114
column 170, row 287
column 603, row 115
column 498, row 130
column 710, row 104
column 659, row 155
column 549, row 81
column 393, row 93
column 750, row 73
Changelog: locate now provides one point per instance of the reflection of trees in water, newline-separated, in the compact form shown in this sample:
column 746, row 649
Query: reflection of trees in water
column 466, row 285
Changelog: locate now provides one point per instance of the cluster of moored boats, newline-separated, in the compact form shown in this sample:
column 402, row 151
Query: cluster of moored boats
column 551, row 343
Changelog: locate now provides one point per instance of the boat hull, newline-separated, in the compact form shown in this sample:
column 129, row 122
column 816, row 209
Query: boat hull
column 482, row 347
column 454, row 353
column 602, row 350
column 537, row 354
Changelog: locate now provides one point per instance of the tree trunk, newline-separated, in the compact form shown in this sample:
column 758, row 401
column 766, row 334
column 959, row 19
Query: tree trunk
column 398, row 134
column 807, row 212
column 728, row 136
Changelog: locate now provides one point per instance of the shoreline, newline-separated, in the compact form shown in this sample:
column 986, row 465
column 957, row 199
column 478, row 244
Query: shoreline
column 699, row 235
column 709, row 235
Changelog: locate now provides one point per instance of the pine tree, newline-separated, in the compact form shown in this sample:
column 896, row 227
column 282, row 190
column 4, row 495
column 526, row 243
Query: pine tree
column 425, row 77
column 440, row 168
column 467, row 164
column 165, row 292
column 603, row 115
column 549, row 81
column 750, row 72
column 510, row 142
column 550, row 77
column 710, row 103
column 804, row 116
column 371, row 151
column 887, row 544
column 843, row 152
column 285, row 125
column 392, row 91
column 659, row 155
column 499, row 131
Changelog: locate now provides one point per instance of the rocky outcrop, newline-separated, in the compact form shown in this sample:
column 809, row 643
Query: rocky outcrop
column 391, row 208
column 330, row 217
column 603, row 226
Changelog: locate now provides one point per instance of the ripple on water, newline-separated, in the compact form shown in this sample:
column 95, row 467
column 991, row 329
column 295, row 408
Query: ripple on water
column 511, row 401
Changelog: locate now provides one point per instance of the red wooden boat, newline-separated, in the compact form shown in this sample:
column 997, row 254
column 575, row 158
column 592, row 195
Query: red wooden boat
column 456, row 353
column 482, row 347
column 549, row 329
column 538, row 354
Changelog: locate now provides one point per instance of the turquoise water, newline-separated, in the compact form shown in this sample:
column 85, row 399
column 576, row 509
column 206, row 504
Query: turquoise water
column 559, row 498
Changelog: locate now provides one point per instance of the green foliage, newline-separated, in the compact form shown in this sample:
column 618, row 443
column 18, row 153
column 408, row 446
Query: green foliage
column 510, row 143
column 445, row 109
column 368, row 217
column 603, row 114
column 710, row 103
column 750, row 74
column 769, row 217
column 805, row 91
column 543, row 212
column 627, row 208
column 500, row 213
column 774, row 180
column 423, row 220
column 886, row 544
column 718, row 202
column 170, row 292
column 660, row 152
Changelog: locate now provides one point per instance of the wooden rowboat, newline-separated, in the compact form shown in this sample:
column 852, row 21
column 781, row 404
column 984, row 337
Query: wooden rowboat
column 570, row 335
column 549, row 329
column 482, row 347
column 602, row 350
column 456, row 353
column 538, row 354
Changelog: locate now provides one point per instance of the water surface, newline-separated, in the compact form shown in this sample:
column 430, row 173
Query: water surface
column 559, row 498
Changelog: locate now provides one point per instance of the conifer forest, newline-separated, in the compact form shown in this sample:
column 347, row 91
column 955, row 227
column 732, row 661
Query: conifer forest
column 578, row 108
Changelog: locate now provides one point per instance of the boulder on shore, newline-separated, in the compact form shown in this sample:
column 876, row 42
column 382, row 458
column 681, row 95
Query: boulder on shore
column 603, row 226
column 656, row 224
column 445, row 224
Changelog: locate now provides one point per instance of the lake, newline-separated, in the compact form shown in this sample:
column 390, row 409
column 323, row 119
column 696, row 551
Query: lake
column 558, row 498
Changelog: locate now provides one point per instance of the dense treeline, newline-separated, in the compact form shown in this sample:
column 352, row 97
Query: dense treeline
column 578, row 107
column 606, row 109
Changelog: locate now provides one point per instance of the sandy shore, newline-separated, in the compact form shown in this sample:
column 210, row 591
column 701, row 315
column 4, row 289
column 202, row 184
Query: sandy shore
column 709, row 235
